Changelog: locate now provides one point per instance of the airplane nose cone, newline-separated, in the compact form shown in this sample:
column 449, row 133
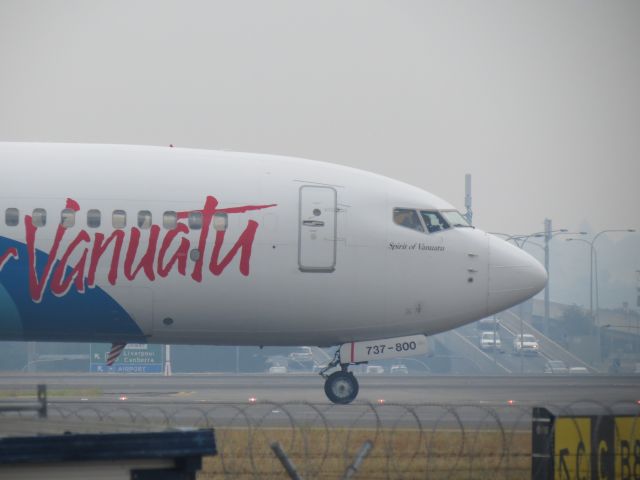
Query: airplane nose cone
column 514, row 275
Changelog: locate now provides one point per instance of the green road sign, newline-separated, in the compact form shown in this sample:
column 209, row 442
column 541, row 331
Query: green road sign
column 135, row 358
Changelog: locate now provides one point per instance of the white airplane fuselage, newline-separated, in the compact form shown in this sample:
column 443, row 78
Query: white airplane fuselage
column 291, row 251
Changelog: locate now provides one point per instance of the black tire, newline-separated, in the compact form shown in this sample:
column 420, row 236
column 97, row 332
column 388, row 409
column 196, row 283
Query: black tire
column 341, row 387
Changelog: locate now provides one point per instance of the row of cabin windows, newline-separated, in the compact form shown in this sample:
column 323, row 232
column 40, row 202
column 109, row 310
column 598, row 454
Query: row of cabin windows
column 118, row 219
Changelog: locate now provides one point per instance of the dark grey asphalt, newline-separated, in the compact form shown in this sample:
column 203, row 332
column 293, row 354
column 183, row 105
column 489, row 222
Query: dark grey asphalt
column 541, row 389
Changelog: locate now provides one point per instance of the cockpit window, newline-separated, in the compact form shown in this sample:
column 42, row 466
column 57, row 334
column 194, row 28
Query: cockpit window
column 455, row 218
column 406, row 217
column 433, row 221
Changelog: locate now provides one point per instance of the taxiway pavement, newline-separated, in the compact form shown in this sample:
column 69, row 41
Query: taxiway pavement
column 541, row 389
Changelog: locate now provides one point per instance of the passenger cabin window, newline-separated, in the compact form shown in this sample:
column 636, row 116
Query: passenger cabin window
column 39, row 217
column 119, row 219
column 144, row 219
column 195, row 220
column 11, row 217
column 68, row 218
column 93, row 218
column 408, row 218
column 170, row 220
column 220, row 222
column 433, row 221
column 455, row 218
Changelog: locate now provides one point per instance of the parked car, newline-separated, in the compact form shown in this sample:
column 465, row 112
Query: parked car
column 277, row 369
column 490, row 341
column 399, row 369
column 556, row 367
column 525, row 344
column 302, row 354
column 374, row 369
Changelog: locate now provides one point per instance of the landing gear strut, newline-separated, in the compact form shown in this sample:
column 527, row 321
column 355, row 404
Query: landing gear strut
column 340, row 387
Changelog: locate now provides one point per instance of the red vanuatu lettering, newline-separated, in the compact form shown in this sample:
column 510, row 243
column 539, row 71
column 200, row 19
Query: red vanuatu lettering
column 180, row 255
column 73, row 205
column 244, row 243
column 62, row 279
column 11, row 252
column 147, row 260
column 37, row 285
column 59, row 284
column 208, row 212
column 99, row 247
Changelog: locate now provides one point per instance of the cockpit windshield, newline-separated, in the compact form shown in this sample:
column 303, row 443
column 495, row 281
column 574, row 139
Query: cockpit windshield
column 433, row 221
column 407, row 217
column 454, row 218
column 428, row 220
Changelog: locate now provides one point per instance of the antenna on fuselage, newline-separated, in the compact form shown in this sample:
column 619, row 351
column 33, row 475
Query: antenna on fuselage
column 467, row 198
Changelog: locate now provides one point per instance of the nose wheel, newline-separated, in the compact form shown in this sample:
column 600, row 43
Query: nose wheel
column 341, row 387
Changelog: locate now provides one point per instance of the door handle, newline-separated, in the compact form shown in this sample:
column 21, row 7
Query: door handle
column 313, row 223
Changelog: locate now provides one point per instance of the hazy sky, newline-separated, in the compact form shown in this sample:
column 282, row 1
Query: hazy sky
column 539, row 100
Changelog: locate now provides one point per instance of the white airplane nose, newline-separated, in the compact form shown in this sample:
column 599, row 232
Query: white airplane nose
column 514, row 275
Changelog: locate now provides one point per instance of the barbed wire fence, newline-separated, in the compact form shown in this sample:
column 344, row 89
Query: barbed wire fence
column 431, row 441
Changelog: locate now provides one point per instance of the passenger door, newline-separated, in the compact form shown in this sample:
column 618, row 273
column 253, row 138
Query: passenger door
column 317, row 229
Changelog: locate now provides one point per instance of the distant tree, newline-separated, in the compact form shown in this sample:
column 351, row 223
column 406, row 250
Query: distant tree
column 576, row 321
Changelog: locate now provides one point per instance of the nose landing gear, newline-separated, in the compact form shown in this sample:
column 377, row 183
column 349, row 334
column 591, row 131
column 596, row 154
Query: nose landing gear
column 341, row 387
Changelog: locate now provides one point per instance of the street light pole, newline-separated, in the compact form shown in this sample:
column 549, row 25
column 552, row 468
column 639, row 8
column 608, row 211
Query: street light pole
column 638, row 288
column 638, row 305
column 547, row 238
column 548, row 235
column 595, row 259
column 592, row 256
column 593, row 264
